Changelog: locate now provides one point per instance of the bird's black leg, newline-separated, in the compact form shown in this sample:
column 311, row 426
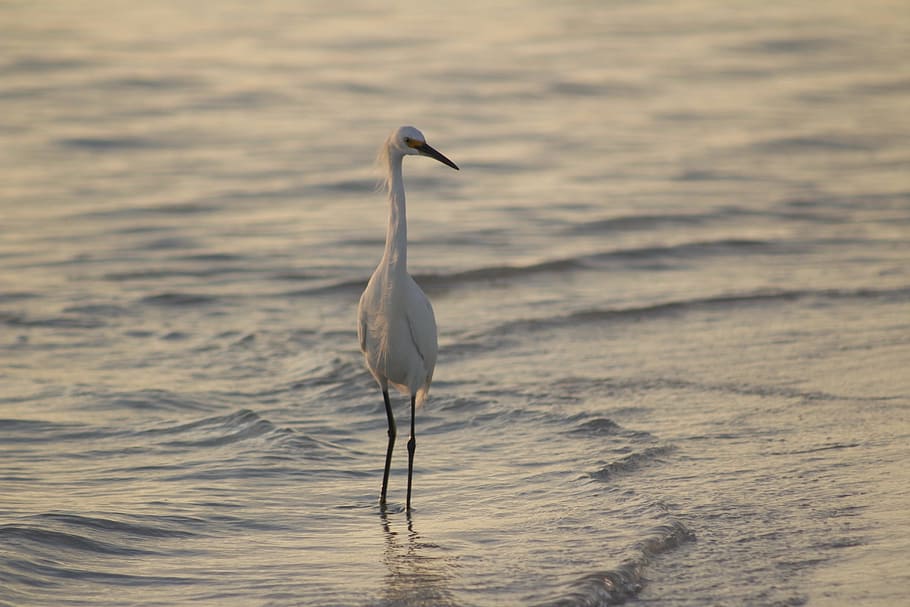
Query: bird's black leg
column 393, row 432
column 412, row 444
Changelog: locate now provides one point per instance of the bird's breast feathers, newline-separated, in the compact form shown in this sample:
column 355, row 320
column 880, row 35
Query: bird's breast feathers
column 397, row 331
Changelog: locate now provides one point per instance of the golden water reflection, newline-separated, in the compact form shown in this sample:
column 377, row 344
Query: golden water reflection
column 418, row 573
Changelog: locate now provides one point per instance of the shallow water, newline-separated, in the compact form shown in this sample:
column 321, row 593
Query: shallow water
column 672, row 282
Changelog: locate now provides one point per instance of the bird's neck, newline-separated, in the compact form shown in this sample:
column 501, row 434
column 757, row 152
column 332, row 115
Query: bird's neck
column 396, row 240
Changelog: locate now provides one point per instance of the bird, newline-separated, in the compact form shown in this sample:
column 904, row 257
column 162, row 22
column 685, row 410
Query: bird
column 396, row 326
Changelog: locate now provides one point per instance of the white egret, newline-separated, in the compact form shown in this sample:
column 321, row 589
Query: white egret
column 395, row 321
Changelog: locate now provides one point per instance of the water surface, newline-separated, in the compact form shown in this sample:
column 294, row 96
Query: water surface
column 671, row 282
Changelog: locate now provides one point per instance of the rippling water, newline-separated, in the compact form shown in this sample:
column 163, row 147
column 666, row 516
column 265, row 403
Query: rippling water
column 672, row 282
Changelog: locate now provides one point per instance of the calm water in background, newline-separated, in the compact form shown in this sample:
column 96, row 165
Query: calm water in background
column 672, row 282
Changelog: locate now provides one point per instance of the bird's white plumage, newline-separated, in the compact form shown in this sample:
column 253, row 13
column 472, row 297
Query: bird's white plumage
column 396, row 325
column 395, row 321
column 397, row 332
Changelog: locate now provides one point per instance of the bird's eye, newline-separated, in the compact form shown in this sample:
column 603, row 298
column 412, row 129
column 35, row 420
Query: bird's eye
column 407, row 140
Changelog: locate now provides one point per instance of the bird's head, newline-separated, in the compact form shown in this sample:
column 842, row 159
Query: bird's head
column 408, row 140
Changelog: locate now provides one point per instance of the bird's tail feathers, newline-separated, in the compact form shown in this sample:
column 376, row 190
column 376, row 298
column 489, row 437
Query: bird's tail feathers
column 422, row 395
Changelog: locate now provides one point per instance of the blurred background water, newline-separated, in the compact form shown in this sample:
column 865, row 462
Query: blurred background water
column 672, row 282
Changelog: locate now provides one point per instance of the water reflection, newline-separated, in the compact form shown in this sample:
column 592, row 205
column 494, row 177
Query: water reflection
column 418, row 574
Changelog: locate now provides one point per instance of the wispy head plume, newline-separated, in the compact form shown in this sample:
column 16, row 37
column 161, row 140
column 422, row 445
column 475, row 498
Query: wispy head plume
column 382, row 163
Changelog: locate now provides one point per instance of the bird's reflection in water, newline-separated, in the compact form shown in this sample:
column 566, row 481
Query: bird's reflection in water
column 419, row 571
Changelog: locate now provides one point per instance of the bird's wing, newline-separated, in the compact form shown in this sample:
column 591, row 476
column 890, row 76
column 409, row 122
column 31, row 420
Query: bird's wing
column 362, row 325
column 422, row 325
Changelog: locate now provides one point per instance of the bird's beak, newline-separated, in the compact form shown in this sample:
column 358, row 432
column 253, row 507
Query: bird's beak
column 427, row 150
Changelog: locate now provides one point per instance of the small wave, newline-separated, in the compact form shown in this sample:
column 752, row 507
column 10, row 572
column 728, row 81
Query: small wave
column 659, row 310
column 602, row 426
column 44, row 572
column 294, row 442
column 17, row 296
column 213, row 257
column 34, row 63
column 165, row 526
column 790, row 45
column 219, row 430
column 41, row 431
column 497, row 273
column 147, row 83
column 616, row 586
column 60, row 540
column 178, row 208
column 344, row 286
column 709, row 248
column 238, row 427
column 150, row 400
column 51, row 322
column 159, row 273
column 332, row 373
column 599, row 426
column 632, row 462
column 886, row 86
column 168, row 243
column 439, row 282
column 709, row 175
column 819, row 448
column 178, row 299
column 630, row 223
column 502, row 273
column 829, row 143
column 53, row 549
column 346, row 185
column 109, row 144
column 617, row 387
column 576, row 88
column 104, row 310
column 241, row 99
